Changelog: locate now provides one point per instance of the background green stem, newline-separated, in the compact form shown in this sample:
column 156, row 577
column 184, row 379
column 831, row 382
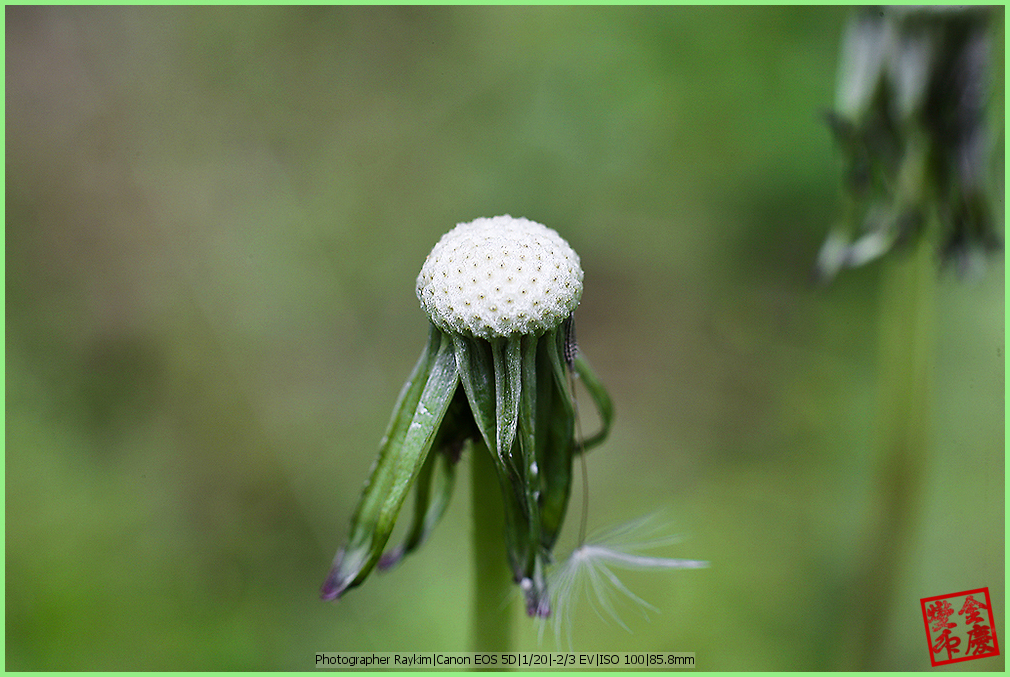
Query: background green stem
column 906, row 360
column 490, row 616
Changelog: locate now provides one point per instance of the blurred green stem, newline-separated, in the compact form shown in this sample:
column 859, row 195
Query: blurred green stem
column 906, row 359
column 490, row 617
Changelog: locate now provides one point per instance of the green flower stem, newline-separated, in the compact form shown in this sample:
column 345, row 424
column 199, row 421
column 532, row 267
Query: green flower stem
column 490, row 618
column 907, row 356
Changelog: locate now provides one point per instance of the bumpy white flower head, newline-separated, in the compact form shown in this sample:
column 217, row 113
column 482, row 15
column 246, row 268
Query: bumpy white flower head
column 500, row 276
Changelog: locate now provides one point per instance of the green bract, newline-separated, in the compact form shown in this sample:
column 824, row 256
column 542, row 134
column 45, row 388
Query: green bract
column 495, row 375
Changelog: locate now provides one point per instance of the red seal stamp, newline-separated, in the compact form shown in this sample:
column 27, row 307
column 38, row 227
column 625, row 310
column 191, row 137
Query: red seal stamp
column 959, row 626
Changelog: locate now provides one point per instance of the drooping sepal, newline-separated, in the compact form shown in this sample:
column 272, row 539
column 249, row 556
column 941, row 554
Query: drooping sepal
column 534, row 587
column 435, row 481
column 476, row 374
column 491, row 383
column 507, row 358
column 422, row 405
column 604, row 405
column 556, row 437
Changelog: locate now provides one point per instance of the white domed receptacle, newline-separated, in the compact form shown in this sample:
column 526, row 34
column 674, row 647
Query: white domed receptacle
column 498, row 277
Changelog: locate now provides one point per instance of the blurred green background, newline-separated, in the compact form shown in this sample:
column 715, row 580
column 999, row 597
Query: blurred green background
column 215, row 218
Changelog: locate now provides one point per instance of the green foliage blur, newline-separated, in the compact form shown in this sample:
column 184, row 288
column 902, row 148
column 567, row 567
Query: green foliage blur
column 214, row 222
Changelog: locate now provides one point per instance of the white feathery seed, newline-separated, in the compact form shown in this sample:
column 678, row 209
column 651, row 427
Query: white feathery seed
column 500, row 276
column 587, row 573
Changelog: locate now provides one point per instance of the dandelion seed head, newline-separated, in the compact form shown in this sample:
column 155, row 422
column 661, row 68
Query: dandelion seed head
column 498, row 295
